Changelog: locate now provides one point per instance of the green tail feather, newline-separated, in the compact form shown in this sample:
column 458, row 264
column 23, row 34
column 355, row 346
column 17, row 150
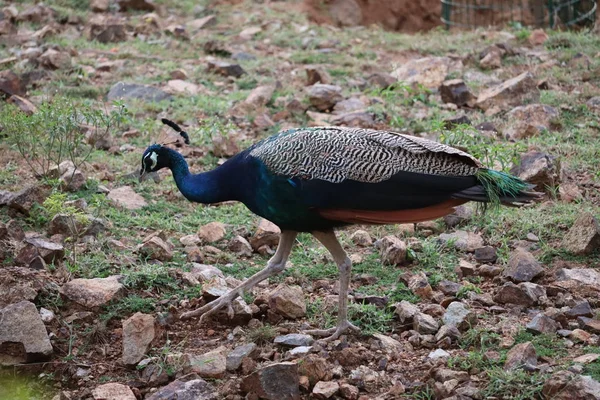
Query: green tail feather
column 501, row 187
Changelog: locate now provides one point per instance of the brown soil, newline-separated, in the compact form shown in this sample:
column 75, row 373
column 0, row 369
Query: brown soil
column 396, row 15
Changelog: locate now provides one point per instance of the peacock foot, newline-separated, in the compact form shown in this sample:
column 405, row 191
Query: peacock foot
column 212, row 307
column 335, row 332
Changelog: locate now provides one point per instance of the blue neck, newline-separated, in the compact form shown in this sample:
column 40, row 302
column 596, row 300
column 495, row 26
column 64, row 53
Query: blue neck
column 207, row 187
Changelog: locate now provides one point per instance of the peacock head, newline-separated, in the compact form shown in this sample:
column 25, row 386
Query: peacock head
column 155, row 157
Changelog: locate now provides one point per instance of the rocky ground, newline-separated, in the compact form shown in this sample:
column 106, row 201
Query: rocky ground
column 96, row 268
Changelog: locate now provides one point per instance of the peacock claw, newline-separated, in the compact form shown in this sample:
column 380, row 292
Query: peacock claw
column 335, row 332
column 212, row 307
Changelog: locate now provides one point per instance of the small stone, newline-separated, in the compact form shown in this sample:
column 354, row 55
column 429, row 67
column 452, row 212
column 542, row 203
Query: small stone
column 212, row 232
column 156, row 249
column 465, row 269
column 393, row 250
column 406, row 312
column 349, row 105
column 430, row 72
column 235, row 357
column 126, row 197
column 425, row 324
column 459, row 315
column 92, row 292
column 455, row 91
column 538, row 37
column 486, row 254
column 587, row 358
column 579, row 335
column 438, row 354
column 138, row 333
column 267, row 233
column 113, row 391
column 419, row 285
column 361, row 238
column 208, row 365
column 581, row 309
column 587, row 276
column 24, row 200
column 523, row 267
column 122, row 90
column 288, row 301
column 541, row 324
column 33, row 247
column 529, row 120
column 225, row 69
column 317, row 75
column 300, row 351
column 356, row 119
column 521, row 355
column 203, row 272
column 46, row 316
column 513, row 294
column 449, row 288
column 448, row 331
column 53, row 59
column 539, row 169
column 565, row 385
column 272, row 381
column 189, row 240
column 349, row 392
column 324, row 97
column 534, row 291
column 462, row 240
column 22, row 104
column 316, row 369
column 189, row 387
column 325, row 390
column 294, row 340
column 513, row 92
column 491, row 60
column 240, row 246
column 23, row 331
column 489, row 270
column 584, row 236
column 589, row 324
column 201, row 23
column 181, row 86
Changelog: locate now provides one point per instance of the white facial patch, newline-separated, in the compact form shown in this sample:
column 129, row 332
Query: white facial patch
column 154, row 157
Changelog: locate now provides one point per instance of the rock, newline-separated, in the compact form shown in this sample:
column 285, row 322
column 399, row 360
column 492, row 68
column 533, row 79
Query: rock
column 113, row 391
column 73, row 180
column 46, row 316
column 430, row 72
column 214, row 288
column 259, row 97
column 448, row 331
column 212, row 232
column 361, row 238
column 92, row 292
column 240, row 246
column 459, row 315
column 455, row 91
column 138, row 333
column 349, row 105
column 529, row 120
column 533, row 290
column 521, row 355
column 267, row 233
column 345, row 12
column 203, row 272
column 34, row 247
column 156, row 249
column 53, row 59
column 511, row 93
column 589, row 324
column 381, row 80
column 438, row 354
column 491, row 60
column 182, row 87
column 486, row 254
column 539, row 169
column 316, row 369
column 349, row 392
column 274, row 382
column 460, row 215
column 140, row 5
column 449, row 288
column 122, row 90
column 579, row 335
column 324, row 97
column 419, row 285
column 586, row 358
column 317, row 75
column 581, row 309
column 523, row 267
column 107, row 29
column 537, row 37
column 462, row 240
column 541, row 324
column 357, row 119
column 565, row 385
column 22, row 104
column 594, row 102
column 189, row 387
column 201, row 23
column 288, row 301
column 23, row 336
column 388, row 344
column 325, row 390
column 11, row 84
column 236, row 356
column 5, row 197
column 294, row 340
column 393, row 250
column 513, row 294
column 425, row 324
column 406, row 312
column 67, row 224
column 242, row 313
column 99, row 5
column 189, row 240
column 25, row 199
column 126, row 197
column 584, row 235
column 208, row 365
column 225, row 69
column 587, row 276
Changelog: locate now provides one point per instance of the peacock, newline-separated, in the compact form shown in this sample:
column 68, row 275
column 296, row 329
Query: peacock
column 319, row 179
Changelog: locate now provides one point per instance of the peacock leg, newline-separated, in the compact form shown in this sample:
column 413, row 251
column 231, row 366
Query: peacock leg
column 344, row 264
column 275, row 265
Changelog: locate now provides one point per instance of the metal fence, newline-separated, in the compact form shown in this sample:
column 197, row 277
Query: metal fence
column 541, row 13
